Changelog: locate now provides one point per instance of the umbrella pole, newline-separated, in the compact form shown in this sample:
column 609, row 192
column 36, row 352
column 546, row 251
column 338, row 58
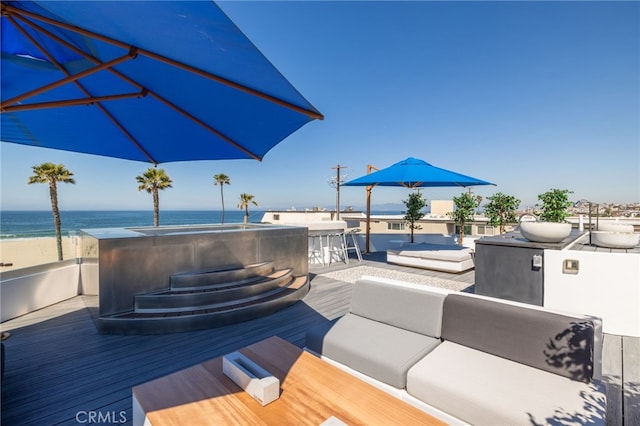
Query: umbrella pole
column 366, row 248
column 369, row 188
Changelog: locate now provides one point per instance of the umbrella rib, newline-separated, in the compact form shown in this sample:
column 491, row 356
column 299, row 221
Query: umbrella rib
column 70, row 78
column 78, row 84
column 205, row 125
column 141, row 87
column 211, row 76
column 126, row 132
column 91, row 100
column 86, row 101
column 237, row 86
column 189, row 116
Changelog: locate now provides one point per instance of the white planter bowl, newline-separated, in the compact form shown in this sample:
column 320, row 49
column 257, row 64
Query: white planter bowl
column 545, row 232
column 615, row 227
column 622, row 240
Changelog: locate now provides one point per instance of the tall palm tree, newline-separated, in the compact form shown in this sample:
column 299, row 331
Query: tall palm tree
column 245, row 200
column 52, row 174
column 152, row 181
column 222, row 180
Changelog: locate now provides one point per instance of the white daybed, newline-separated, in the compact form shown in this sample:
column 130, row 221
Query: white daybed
column 441, row 257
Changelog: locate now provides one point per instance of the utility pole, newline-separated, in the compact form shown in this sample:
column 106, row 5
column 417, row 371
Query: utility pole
column 337, row 181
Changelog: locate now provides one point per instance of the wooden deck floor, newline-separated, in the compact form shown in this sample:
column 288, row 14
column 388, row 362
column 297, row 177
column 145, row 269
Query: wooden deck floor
column 58, row 368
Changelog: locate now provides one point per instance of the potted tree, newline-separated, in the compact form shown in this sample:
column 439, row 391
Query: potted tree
column 501, row 210
column 465, row 206
column 414, row 204
column 551, row 228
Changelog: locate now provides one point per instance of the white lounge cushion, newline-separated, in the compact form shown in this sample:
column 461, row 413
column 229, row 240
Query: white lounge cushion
column 484, row 389
column 452, row 253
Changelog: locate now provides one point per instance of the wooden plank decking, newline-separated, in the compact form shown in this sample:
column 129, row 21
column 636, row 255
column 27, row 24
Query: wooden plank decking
column 621, row 375
column 58, row 368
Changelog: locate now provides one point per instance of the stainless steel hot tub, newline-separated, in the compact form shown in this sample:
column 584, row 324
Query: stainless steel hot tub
column 123, row 263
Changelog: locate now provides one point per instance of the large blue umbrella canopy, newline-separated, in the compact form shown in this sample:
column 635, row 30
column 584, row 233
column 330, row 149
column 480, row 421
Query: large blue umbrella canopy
column 415, row 173
column 411, row 173
column 153, row 81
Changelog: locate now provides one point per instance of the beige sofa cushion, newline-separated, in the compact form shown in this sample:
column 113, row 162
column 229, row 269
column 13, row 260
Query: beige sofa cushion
column 483, row 389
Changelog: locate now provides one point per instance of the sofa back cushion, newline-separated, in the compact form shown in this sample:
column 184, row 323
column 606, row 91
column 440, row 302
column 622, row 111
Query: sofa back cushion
column 531, row 335
column 412, row 307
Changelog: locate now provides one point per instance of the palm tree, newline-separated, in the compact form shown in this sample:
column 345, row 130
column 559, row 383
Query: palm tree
column 52, row 174
column 152, row 181
column 478, row 201
column 222, row 180
column 245, row 200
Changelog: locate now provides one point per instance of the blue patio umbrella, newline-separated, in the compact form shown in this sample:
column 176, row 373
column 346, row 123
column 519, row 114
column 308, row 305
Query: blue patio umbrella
column 154, row 81
column 411, row 173
column 415, row 173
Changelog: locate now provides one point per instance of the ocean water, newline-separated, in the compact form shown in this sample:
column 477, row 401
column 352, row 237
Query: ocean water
column 32, row 224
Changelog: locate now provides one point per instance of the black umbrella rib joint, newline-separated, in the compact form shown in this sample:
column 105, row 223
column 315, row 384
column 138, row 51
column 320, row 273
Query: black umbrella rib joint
column 27, row 18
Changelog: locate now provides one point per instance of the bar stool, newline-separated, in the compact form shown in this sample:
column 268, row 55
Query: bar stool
column 336, row 243
column 354, row 244
column 316, row 249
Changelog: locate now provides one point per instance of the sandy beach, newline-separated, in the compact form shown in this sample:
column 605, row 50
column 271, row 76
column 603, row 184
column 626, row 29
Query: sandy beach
column 33, row 251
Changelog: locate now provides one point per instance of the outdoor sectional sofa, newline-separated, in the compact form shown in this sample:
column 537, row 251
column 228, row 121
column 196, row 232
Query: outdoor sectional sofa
column 467, row 358
column 440, row 257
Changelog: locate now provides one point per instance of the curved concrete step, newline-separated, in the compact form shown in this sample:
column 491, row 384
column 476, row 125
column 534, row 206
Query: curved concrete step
column 197, row 299
column 172, row 322
column 209, row 278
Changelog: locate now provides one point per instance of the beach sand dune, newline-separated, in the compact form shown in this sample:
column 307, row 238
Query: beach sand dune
column 34, row 251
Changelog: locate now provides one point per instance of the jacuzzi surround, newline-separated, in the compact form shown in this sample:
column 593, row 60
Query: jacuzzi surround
column 127, row 262
column 190, row 229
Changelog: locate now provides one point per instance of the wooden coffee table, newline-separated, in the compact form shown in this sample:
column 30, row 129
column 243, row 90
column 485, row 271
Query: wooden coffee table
column 311, row 391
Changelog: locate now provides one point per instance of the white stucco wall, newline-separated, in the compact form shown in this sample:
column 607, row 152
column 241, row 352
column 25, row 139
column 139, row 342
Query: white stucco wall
column 26, row 293
column 607, row 285
column 89, row 278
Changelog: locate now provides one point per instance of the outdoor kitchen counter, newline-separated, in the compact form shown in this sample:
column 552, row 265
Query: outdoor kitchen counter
column 516, row 239
column 511, row 267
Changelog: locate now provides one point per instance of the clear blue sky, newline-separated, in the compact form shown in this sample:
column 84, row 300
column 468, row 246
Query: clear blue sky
column 528, row 95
